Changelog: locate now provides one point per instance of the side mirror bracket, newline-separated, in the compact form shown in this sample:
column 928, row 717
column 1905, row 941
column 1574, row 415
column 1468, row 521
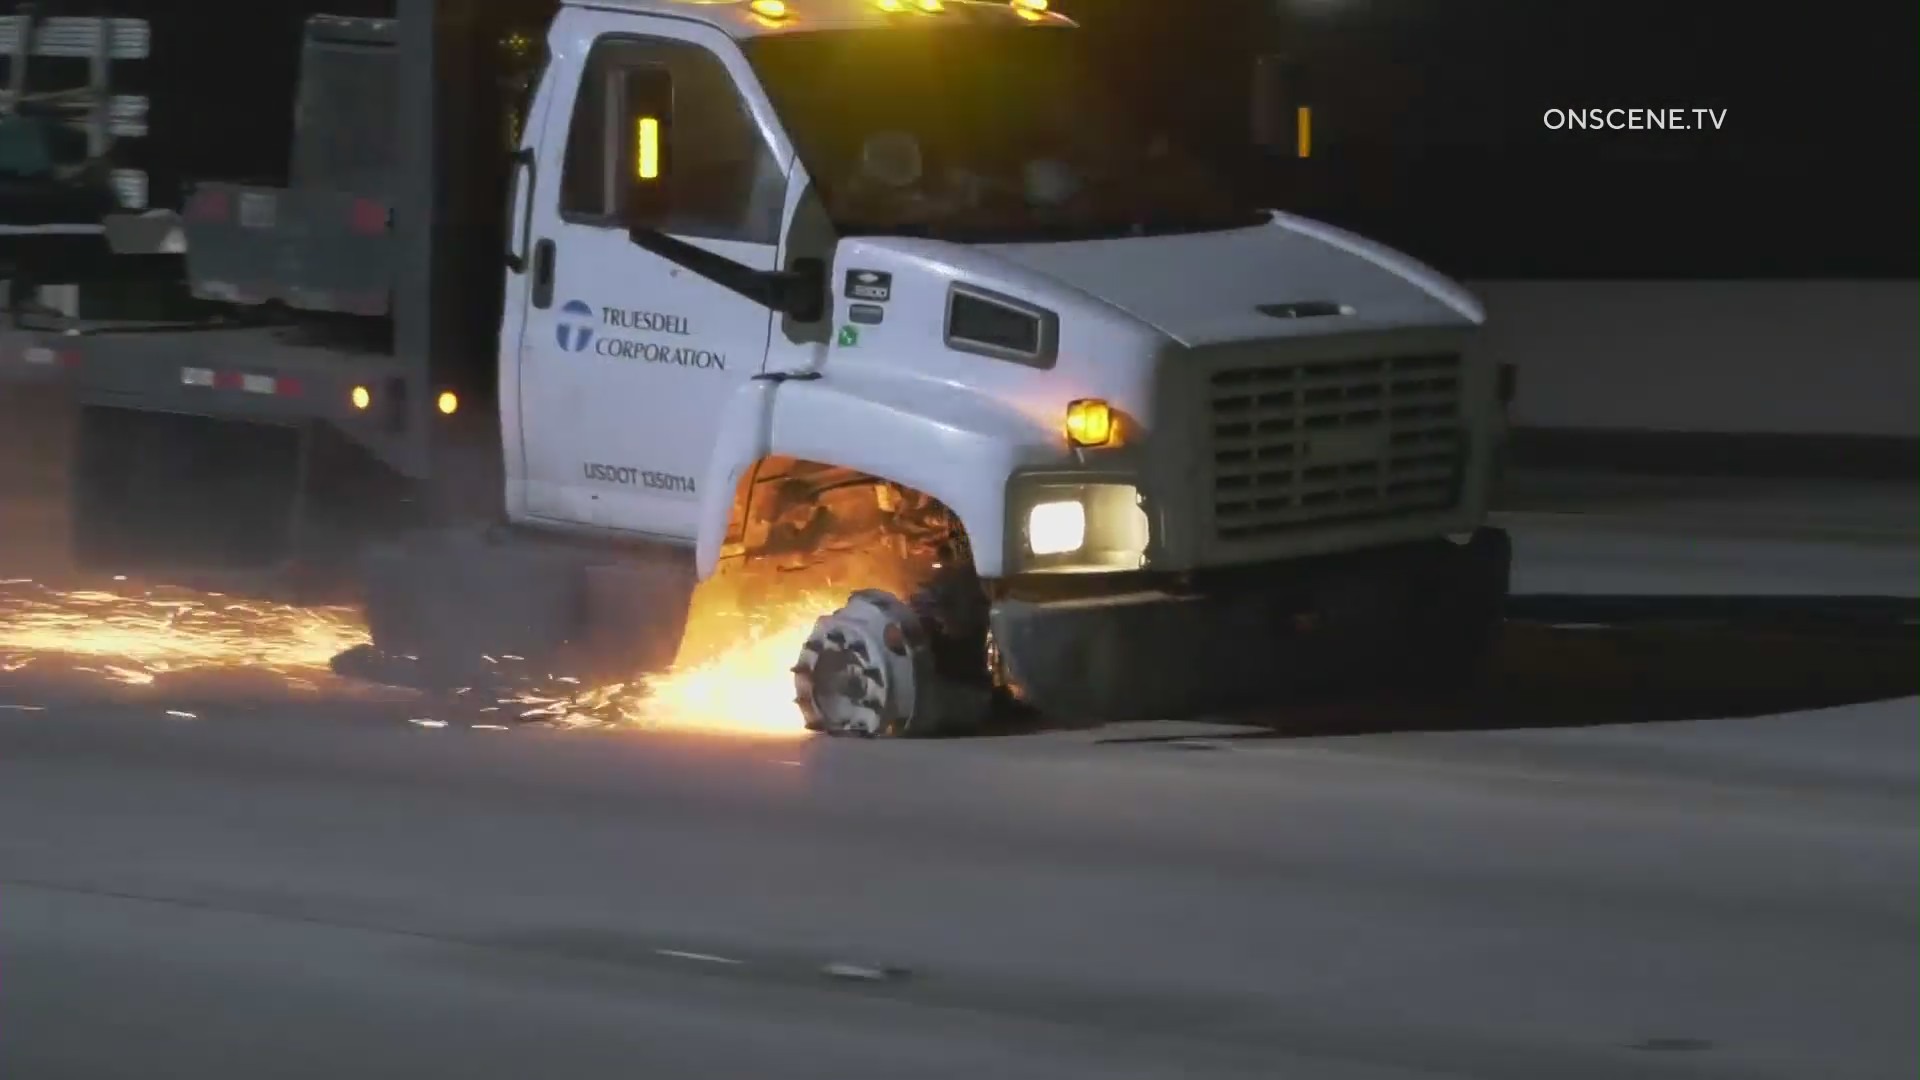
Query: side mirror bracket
column 799, row 292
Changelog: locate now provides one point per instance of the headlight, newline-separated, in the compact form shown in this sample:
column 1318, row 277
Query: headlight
column 1056, row 528
column 1073, row 524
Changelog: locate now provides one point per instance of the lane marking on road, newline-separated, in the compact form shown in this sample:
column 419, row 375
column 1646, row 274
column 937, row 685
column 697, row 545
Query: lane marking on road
column 703, row 958
column 862, row 973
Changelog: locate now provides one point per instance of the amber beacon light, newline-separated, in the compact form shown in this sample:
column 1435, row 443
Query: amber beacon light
column 1089, row 423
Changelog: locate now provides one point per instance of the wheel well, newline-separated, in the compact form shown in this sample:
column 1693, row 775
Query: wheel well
column 820, row 525
column 787, row 507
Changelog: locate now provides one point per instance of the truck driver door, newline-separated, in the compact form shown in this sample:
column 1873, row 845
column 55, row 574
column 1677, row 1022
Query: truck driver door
column 626, row 359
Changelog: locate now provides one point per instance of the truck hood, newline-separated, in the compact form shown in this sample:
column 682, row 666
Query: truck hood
column 1291, row 277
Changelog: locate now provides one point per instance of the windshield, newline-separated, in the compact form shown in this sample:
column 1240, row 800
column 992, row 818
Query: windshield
column 986, row 135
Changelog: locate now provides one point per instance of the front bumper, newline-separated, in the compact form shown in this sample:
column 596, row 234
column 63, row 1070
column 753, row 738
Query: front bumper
column 1130, row 519
column 1246, row 641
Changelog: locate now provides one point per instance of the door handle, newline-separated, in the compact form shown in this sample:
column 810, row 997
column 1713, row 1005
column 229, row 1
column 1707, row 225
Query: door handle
column 544, row 255
column 521, row 232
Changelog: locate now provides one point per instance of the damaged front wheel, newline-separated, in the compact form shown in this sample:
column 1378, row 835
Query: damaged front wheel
column 869, row 669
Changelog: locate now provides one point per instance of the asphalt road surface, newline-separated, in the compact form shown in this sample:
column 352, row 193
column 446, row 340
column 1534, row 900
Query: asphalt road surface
column 1677, row 848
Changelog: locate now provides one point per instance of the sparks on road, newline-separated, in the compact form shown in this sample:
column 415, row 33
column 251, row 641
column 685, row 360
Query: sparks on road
column 732, row 675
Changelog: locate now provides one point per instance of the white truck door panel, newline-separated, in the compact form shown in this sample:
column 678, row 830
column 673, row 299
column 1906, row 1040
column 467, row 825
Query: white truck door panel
column 629, row 359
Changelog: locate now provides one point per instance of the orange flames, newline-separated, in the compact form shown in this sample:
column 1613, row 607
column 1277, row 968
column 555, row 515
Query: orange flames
column 733, row 673
column 742, row 688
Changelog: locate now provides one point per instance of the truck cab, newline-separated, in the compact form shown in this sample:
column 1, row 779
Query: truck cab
column 930, row 318
column 921, row 245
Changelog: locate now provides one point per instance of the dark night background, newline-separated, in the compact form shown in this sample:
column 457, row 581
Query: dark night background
column 1427, row 118
column 1428, row 129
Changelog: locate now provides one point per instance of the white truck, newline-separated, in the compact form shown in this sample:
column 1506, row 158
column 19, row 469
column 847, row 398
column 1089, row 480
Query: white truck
column 894, row 282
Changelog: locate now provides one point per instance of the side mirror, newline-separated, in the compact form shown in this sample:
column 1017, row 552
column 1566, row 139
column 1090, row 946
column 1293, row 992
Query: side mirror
column 646, row 161
column 646, row 182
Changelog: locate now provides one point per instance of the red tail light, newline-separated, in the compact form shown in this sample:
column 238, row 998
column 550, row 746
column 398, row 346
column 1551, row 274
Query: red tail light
column 210, row 206
column 369, row 218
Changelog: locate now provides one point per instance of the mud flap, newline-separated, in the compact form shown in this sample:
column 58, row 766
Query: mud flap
column 1457, row 612
column 633, row 616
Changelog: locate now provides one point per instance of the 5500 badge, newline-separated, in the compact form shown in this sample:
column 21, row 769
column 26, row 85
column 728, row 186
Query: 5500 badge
column 873, row 286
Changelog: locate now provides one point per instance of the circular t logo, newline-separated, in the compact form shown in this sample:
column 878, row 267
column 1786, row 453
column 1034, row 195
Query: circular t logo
column 575, row 330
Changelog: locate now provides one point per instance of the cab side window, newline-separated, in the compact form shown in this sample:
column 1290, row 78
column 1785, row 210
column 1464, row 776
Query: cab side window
column 724, row 182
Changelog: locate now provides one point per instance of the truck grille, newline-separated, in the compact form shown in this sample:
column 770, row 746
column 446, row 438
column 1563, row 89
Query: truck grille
column 1310, row 444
